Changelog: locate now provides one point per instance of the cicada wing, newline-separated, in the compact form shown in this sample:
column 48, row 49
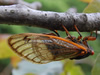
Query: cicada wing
column 41, row 48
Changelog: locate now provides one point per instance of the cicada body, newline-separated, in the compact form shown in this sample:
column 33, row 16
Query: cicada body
column 43, row 48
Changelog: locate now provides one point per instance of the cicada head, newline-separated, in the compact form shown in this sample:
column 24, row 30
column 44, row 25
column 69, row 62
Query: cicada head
column 83, row 53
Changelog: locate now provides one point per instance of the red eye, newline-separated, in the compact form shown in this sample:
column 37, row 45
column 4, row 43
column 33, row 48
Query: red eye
column 92, row 53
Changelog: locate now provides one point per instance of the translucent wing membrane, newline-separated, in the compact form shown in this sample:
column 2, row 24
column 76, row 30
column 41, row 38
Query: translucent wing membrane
column 40, row 48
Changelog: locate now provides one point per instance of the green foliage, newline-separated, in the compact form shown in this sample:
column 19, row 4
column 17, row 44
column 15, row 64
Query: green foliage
column 96, row 67
column 53, row 5
column 36, row 30
column 94, row 6
column 12, row 29
column 4, row 63
column 86, row 68
column 30, row 1
column 71, row 69
column 77, row 4
column 76, row 70
column 61, row 5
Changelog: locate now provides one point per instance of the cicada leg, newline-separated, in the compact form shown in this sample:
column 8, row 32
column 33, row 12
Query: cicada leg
column 89, row 38
column 67, row 33
column 80, row 36
column 56, row 33
column 72, row 38
column 92, row 33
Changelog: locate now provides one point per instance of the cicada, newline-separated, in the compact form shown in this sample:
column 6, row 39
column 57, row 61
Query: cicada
column 45, row 48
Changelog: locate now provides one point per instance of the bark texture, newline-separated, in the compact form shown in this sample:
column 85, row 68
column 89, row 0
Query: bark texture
column 23, row 15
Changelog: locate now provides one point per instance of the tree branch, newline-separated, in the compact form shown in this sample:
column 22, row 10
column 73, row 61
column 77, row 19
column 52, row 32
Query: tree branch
column 34, row 5
column 23, row 15
column 8, row 2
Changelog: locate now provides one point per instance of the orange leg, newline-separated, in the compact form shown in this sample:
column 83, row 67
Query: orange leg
column 67, row 31
column 89, row 38
column 80, row 36
column 69, row 36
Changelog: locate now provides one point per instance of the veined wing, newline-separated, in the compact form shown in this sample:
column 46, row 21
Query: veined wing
column 41, row 48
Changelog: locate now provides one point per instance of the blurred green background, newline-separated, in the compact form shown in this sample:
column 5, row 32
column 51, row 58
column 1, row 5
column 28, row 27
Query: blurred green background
column 84, row 66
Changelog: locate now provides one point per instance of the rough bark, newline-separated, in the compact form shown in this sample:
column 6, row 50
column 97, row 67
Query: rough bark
column 23, row 15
